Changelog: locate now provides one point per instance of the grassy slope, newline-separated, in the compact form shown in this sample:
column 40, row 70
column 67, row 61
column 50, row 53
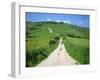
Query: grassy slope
column 78, row 49
column 38, row 48
column 75, row 40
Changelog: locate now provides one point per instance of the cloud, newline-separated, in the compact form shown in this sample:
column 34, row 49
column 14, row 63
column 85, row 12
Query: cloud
column 49, row 20
column 57, row 20
column 67, row 21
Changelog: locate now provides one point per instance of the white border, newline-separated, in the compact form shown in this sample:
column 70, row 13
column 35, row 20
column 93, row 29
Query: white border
column 19, row 62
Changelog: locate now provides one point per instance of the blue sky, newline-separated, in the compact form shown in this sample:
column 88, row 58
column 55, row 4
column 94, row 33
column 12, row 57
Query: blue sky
column 80, row 20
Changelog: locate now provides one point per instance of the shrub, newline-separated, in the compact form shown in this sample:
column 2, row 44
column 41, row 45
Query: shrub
column 52, row 42
column 28, row 58
column 56, row 38
column 36, row 56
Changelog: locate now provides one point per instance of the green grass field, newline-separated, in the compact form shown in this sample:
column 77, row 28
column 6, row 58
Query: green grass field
column 40, row 42
column 78, row 49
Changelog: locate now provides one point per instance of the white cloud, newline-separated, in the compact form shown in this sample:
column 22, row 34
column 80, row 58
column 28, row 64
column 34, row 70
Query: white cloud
column 57, row 20
column 49, row 20
column 67, row 21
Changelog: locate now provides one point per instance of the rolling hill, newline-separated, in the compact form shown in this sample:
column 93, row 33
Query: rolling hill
column 42, row 38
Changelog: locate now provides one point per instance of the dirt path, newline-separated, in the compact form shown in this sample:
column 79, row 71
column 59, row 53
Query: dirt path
column 50, row 30
column 58, row 57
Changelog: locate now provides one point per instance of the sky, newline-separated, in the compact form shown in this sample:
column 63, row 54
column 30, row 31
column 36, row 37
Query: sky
column 76, row 19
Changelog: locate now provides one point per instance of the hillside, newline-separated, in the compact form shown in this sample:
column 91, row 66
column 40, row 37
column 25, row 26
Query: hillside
column 42, row 38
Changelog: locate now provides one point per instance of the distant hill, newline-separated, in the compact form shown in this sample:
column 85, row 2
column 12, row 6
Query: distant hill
column 71, row 30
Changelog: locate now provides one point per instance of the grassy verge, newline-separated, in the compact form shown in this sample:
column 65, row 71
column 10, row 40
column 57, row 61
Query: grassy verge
column 78, row 48
column 38, row 49
column 37, row 55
